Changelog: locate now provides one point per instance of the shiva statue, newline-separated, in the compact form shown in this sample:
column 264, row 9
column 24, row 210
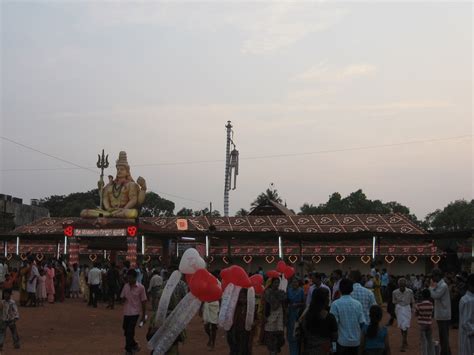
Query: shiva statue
column 122, row 196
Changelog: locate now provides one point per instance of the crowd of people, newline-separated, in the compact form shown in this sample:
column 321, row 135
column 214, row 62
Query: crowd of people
column 316, row 314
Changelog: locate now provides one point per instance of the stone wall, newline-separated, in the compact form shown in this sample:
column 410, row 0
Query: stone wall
column 23, row 214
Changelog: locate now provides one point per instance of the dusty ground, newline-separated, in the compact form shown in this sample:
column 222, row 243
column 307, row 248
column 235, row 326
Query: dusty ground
column 74, row 328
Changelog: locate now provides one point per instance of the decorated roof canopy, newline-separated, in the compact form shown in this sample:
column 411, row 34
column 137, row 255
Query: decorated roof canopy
column 293, row 225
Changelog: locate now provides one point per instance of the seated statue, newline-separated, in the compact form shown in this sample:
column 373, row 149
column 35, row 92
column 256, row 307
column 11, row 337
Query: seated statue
column 122, row 196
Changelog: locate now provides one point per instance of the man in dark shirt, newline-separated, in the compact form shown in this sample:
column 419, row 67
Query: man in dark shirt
column 113, row 282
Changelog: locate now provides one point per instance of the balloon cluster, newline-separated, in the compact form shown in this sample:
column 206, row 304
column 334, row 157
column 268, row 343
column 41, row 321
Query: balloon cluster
column 204, row 287
column 283, row 272
column 282, row 268
column 234, row 278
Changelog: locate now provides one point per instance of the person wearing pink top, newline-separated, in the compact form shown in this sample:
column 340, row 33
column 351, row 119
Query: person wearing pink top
column 134, row 296
column 49, row 282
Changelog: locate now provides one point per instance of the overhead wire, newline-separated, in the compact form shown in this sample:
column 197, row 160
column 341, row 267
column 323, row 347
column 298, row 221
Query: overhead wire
column 77, row 166
column 283, row 155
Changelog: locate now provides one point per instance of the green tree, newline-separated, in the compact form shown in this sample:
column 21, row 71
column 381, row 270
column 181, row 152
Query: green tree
column 185, row 212
column 271, row 194
column 355, row 202
column 242, row 212
column 456, row 216
column 205, row 212
column 70, row 205
column 155, row 206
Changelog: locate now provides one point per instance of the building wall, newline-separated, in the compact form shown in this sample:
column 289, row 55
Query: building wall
column 23, row 214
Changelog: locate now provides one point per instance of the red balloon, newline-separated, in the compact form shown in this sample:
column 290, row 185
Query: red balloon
column 289, row 272
column 205, row 287
column 273, row 274
column 188, row 278
column 224, row 284
column 281, row 266
column 259, row 289
column 256, row 279
column 225, row 273
column 239, row 277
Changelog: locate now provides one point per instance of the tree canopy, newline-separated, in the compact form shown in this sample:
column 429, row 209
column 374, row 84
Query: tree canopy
column 270, row 194
column 356, row 202
column 71, row 205
column 155, row 206
column 456, row 216
column 242, row 212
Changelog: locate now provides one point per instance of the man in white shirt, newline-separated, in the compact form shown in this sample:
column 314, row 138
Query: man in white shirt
column 317, row 283
column 93, row 279
column 442, row 308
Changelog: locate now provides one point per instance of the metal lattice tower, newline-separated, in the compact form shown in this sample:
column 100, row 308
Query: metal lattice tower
column 231, row 164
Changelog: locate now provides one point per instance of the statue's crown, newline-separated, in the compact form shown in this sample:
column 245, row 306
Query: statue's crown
column 122, row 159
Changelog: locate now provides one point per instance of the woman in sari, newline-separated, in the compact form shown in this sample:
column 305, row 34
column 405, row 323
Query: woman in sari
column 274, row 337
column 24, row 272
column 260, row 311
column 378, row 289
column 238, row 338
column 319, row 327
column 49, row 283
column 295, row 307
column 75, row 286
column 83, row 283
column 60, row 283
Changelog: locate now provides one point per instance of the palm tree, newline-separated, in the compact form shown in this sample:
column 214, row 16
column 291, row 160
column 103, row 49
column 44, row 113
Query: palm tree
column 271, row 194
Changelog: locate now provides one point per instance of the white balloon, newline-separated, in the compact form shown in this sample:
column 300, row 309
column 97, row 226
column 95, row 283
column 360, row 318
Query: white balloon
column 250, row 309
column 171, row 284
column 225, row 301
column 229, row 319
column 283, row 283
column 176, row 322
column 191, row 261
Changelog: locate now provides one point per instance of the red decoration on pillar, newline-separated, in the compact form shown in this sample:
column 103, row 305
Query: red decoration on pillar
column 132, row 251
column 69, row 231
column 132, row 231
column 73, row 251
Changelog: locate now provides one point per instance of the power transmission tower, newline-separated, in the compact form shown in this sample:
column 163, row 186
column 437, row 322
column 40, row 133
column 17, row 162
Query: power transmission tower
column 231, row 165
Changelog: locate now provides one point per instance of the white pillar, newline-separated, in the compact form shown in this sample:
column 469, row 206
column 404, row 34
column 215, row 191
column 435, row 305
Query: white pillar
column 143, row 245
column 280, row 248
column 65, row 245
column 207, row 246
column 373, row 248
column 17, row 245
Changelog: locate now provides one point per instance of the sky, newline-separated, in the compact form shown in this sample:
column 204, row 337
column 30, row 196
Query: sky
column 319, row 94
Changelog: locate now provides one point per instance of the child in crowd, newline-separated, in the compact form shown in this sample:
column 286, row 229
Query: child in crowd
column 9, row 315
column 424, row 313
column 374, row 337
column 8, row 284
column 41, row 288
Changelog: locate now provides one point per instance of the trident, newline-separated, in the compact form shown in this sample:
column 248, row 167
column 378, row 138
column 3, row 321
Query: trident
column 102, row 163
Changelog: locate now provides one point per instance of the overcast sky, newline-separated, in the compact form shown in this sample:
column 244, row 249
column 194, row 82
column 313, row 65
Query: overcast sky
column 160, row 80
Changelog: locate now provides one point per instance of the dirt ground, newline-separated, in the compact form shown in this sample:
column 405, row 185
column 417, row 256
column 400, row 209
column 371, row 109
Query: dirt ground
column 74, row 328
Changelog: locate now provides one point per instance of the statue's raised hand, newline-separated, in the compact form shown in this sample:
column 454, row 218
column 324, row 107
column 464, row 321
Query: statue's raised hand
column 142, row 183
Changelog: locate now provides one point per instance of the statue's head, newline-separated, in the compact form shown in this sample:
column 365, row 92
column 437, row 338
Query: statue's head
column 123, row 169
